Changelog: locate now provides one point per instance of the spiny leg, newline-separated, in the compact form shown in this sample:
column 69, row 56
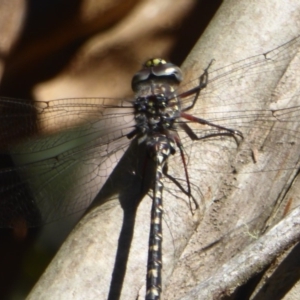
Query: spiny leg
column 222, row 131
column 179, row 185
column 203, row 79
column 187, row 178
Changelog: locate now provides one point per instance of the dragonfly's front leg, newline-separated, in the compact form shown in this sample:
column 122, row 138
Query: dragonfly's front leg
column 203, row 80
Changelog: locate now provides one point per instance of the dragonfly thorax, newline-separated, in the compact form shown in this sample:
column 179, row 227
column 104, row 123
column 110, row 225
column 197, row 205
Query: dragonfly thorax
column 156, row 105
column 156, row 113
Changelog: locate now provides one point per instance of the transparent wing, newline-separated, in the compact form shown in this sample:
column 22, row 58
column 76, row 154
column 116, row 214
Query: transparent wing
column 62, row 151
column 68, row 148
column 259, row 97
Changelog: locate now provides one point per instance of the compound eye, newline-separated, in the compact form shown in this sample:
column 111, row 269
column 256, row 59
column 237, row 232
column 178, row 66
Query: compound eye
column 156, row 68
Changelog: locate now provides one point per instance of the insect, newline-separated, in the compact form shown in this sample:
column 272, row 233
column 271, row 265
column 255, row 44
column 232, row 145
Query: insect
column 157, row 109
column 95, row 132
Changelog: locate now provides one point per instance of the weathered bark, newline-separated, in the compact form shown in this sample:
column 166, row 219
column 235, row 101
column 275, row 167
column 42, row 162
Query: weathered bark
column 243, row 206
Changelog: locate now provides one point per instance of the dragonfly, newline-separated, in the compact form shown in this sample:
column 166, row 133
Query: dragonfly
column 73, row 146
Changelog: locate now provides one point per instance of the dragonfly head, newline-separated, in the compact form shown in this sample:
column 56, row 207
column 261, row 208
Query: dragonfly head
column 154, row 69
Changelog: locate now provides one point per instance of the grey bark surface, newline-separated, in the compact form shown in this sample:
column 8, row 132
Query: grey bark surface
column 198, row 248
column 250, row 201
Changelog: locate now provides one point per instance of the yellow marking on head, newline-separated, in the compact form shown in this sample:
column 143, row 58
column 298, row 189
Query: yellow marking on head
column 154, row 62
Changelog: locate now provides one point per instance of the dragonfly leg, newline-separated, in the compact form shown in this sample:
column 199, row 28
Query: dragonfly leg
column 179, row 185
column 203, row 80
column 222, row 131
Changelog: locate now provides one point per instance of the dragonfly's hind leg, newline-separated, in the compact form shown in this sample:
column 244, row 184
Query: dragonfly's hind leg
column 187, row 191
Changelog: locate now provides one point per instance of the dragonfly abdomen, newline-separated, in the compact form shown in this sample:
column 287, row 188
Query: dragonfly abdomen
column 160, row 148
